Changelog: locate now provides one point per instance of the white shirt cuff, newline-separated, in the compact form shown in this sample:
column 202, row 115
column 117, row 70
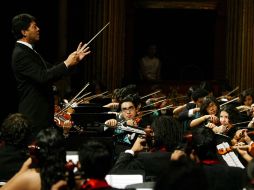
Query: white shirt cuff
column 129, row 152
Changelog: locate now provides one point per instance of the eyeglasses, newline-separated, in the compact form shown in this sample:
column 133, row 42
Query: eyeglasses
column 129, row 109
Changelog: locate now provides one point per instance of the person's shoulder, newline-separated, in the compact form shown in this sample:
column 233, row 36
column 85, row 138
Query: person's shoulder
column 29, row 180
column 30, row 175
column 190, row 105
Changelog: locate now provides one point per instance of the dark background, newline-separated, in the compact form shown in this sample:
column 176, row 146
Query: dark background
column 185, row 40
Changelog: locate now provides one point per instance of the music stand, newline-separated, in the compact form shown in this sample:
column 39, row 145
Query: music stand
column 90, row 108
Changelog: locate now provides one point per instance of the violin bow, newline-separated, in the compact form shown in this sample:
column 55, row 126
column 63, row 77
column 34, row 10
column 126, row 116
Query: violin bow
column 241, row 123
column 164, row 100
column 69, row 104
column 235, row 99
column 228, row 93
column 150, row 94
column 92, row 97
column 147, row 112
column 72, row 100
column 151, row 104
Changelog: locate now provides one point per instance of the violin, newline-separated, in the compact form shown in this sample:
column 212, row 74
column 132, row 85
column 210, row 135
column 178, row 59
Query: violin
column 63, row 119
column 223, row 151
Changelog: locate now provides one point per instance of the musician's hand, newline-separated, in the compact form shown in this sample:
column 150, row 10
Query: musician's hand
column 131, row 122
column 214, row 119
column 239, row 134
column 177, row 154
column 111, row 123
column 195, row 110
column 139, row 145
column 246, row 137
column 244, row 154
column 210, row 125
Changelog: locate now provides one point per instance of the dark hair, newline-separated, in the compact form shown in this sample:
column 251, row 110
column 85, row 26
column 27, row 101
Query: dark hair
column 134, row 98
column 16, row 130
column 167, row 132
column 50, row 156
column 233, row 113
column 204, row 143
column 207, row 100
column 207, row 86
column 244, row 94
column 199, row 93
column 190, row 90
column 127, row 90
column 95, row 159
column 21, row 22
column 234, row 116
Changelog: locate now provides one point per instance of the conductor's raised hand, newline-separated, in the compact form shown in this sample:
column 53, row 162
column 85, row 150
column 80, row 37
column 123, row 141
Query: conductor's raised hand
column 76, row 56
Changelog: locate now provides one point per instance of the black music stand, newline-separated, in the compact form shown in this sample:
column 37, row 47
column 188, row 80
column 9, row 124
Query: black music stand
column 90, row 108
column 85, row 120
column 88, row 125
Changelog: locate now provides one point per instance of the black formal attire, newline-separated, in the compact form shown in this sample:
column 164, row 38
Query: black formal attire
column 11, row 160
column 184, row 117
column 35, row 78
column 222, row 177
column 151, row 164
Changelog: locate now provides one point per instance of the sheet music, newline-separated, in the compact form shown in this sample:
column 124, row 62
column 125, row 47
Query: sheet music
column 230, row 158
column 121, row 181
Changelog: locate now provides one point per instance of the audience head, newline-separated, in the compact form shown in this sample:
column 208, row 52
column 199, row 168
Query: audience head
column 16, row 130
column 204, row 143
column 151, row 50
column 167, row 132
column 95, row 159
column 49, row 155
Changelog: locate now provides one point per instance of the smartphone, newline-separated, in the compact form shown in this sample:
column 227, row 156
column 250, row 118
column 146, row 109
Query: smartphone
column 73, row 156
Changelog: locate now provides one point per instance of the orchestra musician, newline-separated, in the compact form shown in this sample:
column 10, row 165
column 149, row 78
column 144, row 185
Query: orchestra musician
column 229, row 115
column 209, row 111
column 120, row 93
column 219, row 176
column 192, row 109
column 166, row 134
column 246, row 99
column 251, row 113
column 129, row 106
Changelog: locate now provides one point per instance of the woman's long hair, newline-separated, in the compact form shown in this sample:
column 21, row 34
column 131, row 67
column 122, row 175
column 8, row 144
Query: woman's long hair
column 50, row 157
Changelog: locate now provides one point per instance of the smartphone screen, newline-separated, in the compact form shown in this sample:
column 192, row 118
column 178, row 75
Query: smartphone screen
column 73, row 156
